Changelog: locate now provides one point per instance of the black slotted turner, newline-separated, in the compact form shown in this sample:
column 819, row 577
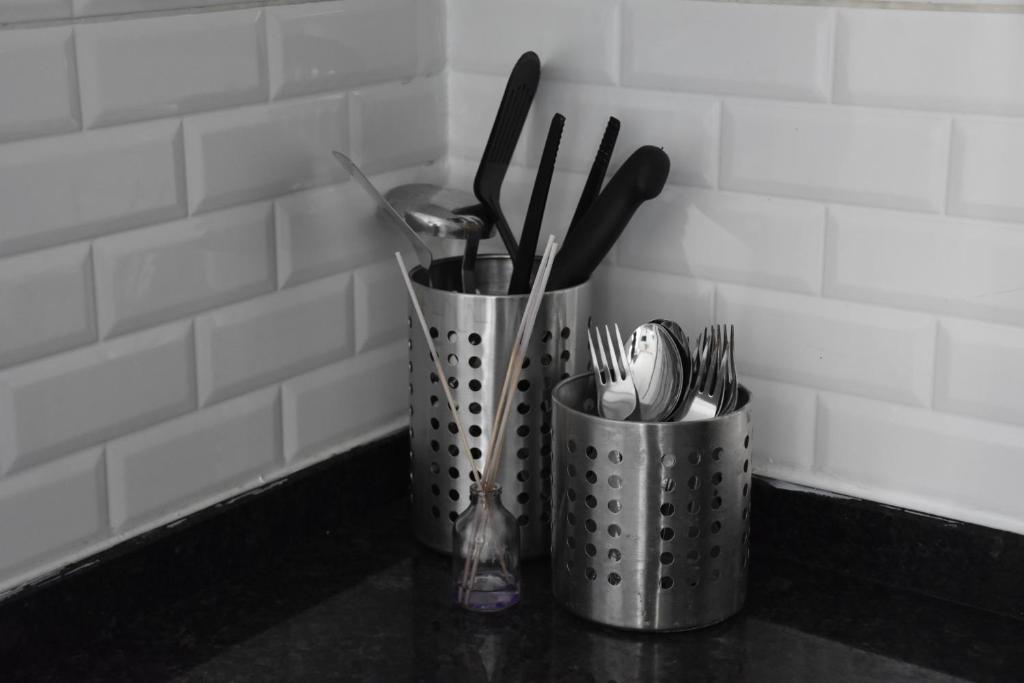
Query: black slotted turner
column 501, row 144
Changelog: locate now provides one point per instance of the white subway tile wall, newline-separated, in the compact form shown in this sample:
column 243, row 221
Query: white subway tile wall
column 845, row 189
column 189, row 284
column 177, row 245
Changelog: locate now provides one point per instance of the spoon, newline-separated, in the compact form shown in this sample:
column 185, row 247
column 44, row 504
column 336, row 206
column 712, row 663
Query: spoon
column 687, row 358
column 657, row 369
column 439, row 211
column 423, row 254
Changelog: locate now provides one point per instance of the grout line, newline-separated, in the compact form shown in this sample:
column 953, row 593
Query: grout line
column 825, row 232
column 948, row 185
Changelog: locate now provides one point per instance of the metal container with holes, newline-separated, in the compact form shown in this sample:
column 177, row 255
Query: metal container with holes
column 651, row 520
column 474, row 334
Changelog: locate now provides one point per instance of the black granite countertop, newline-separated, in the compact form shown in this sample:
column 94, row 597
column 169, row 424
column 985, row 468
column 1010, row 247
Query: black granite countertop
column 361, row 601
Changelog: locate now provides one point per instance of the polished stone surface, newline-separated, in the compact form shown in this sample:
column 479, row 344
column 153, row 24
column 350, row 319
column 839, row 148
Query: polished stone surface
column 361, row 601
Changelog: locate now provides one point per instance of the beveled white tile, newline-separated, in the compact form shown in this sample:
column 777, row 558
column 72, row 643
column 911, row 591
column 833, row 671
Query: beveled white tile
column 747, row 49
column 321, row 410
column 831, row 344
column 950, row 466
column 91, row 8
column 858, row 156
column 473, row 101
column 987, row 158
column 979, row 370
column 432, row 33
column 379, row 293
column 782, row 436
column 37, row 75
column 317, row 46
column 253, row 153
column 264, row 340
column 399, row 125
column 46, row 301
column 631, row 297
column 15, row 11
column 81, row 398
column 932, row 263
column 204, row 61
column 181, row 462
column 758, row 241
column 332, row 229
column 576, row 40
column 73, row 187
column 51, row 511
column 950, row 61
column 148, row 276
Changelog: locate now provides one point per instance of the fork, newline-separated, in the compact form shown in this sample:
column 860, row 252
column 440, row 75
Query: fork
column 709, row 381
column 616, row 392
column 731, row 393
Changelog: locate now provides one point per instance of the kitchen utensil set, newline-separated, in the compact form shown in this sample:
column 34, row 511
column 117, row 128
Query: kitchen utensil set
column 656, row 378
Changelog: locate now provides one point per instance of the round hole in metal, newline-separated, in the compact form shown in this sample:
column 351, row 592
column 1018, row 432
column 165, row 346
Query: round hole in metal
column 571, row 445
column 565, row 355
column 571, row 542
column 546, row 337
column 523, row 520
column 434, row 400
column 590, row 525
column 614, row 554
column 668, row 460
column 667, row 534
column 571, row 469
column 746, row 487
column 715, row 551
column 435, row 489
column 614, row 530
column 591, row 573
column 453, row 450
column 615, row 457
column 435, row 512
column 615, row 481
column 746, row 441
column 716, row 526
column 434, row 333
column 716, row 503
column 452, row 337
column 591, row 502
column 666, row 582
column 435, row 423
column 668, row 484
column 693, row 531
column 453, row 428
column 591, row 452
column 523, row 431
column 476, row 453
column 693, row 483
column 453, row 472
column 474, row 385
column 524, row 385
column 692, row 556
column 523, row 498
column 435, row 468
column 615, row 506
column 453, row 515
column 475, row 408
column 474, row 430
column 716, row 454
column 526, row 362
column 523, row 475
column 693, row 507
column 591, row 477
column 666, row 558
column 546, row 359
column 453, row 494
column 453, row 359
column 453, row 382
column 590, row 550
column 746, row 465
column 474, row 362
column 571, row 495
column 571, row 518
column 435, row 446
column 614, row 579
column 716, row 478
column 523, row 453
column 434, row 378
column 523, row 408
column 474, row 339
column 667, row 509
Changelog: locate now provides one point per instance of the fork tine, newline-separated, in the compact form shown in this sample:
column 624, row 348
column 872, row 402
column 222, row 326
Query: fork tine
column 621, row 353
column 593, row 358
column 605, row 368
column 613, row 361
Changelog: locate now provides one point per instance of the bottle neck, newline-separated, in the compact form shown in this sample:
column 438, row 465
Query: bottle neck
column 481, row 493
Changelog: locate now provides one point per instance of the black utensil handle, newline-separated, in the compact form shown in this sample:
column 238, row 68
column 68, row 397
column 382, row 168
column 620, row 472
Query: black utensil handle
column 597, row 171
column 641, row 177
column 520, row 283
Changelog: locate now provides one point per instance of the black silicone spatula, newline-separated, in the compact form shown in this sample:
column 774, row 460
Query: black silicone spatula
column 508, row 124
column 520, row 283
column 641, row 177
column 597, row 171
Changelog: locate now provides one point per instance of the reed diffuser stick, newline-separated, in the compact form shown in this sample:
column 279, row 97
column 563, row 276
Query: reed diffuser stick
column 494, row 448
column 442, row 378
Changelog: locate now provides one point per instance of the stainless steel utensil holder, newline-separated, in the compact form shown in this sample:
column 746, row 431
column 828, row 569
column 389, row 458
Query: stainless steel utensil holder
column 474, row 334
column 651, row 520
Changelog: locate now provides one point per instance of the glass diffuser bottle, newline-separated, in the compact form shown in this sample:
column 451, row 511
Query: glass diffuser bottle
column 485, row 553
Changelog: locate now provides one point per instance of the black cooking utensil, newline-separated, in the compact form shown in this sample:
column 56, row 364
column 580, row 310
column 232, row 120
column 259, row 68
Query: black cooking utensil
column 520, row 283
column 508, row 124
column 597, row 172
column 640, row 178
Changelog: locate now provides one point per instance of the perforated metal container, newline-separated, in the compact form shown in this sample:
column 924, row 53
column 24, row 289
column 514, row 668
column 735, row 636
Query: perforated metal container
column 474, row 334
column 651, row 520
